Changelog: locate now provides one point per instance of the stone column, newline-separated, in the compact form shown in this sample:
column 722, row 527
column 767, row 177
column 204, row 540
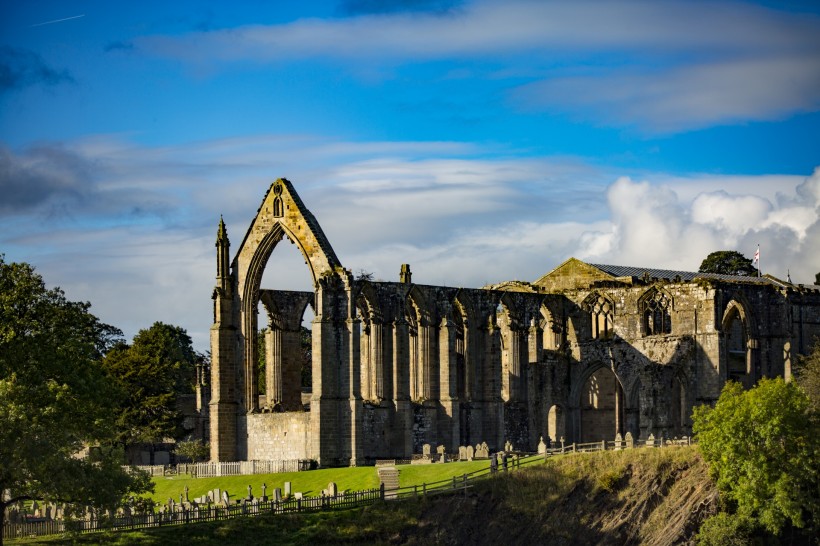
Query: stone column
column 401, row 388
column 273, row 365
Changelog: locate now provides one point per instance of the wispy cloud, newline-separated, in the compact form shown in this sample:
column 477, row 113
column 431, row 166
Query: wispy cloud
column 660, row 66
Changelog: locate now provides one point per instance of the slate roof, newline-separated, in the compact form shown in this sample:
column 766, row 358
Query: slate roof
column 670, row 274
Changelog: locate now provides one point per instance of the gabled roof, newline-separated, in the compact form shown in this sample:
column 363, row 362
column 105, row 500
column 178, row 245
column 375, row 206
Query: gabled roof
column 575, row 273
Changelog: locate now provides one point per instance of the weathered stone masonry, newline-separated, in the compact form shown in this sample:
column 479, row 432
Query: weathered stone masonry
column 583, row 353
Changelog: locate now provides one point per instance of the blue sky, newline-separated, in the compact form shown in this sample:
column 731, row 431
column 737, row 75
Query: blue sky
column 478, row 141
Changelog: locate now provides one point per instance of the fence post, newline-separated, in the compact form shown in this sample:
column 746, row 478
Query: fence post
column 381, row 491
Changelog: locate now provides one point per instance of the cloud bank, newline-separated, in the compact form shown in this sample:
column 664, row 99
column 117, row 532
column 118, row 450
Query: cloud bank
column 461, row 215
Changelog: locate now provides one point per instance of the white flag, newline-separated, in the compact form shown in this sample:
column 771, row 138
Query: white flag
column 756, row 261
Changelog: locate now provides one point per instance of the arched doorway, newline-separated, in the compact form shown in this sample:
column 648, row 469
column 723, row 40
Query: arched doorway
column 601, row 406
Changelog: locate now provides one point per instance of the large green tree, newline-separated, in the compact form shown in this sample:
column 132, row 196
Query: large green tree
column 728, row 262
column 762, row 446
column 55, row 397
column 151, row 373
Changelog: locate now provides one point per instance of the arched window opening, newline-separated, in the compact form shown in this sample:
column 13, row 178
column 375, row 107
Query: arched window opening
column 601, row 312
column 414, row 348
column 736, row 345
column 657, row 319
column 677, row 407
column 460, row 354
column 370, row 353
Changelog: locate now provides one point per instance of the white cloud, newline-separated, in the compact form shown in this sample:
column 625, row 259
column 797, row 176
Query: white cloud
column 652, row 227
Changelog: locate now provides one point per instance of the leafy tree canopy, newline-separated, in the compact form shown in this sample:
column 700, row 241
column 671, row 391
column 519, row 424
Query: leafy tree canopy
column 54, row 397
column 762, row 446
column 193, row 450
column 151, row 374
column 728, row 262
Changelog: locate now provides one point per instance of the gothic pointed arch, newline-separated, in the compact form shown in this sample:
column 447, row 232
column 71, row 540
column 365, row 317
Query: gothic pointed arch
column 420, row 322
column 297, row 224
column 371, row 354
column 739, row 342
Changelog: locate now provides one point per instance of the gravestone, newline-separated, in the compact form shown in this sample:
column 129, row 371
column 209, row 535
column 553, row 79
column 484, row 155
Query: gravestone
column 629, row 441
column 618, row 441
column 226, row 499
column 470, row 453
column 462, row 453
column 250, row 493
column 277, row 494
column 287, row 489
column 264, row 492
column 542, row 447
column 425, row 451
column 651, row 440
column 441, row 451
column 297, row 495
column 332, row 490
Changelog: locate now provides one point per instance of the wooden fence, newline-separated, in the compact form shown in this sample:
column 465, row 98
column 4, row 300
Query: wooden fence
column 238, row 468
column 183, row 514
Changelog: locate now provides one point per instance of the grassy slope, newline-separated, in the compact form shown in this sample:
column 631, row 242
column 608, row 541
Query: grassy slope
column 629, row 497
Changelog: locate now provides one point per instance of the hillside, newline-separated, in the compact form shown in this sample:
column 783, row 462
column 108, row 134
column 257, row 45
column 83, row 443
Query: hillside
column 654, row 497
column 646, row 496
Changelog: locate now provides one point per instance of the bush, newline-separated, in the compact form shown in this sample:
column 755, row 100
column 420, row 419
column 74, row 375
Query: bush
column 762, row 446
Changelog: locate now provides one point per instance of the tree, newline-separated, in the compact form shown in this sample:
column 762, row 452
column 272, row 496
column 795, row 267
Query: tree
column 151, row 374
column 728, row 262
column 193, row 450
column 762, row 446
column 55, row 398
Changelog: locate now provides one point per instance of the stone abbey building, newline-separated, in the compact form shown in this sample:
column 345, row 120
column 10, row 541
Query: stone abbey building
column 583, row 353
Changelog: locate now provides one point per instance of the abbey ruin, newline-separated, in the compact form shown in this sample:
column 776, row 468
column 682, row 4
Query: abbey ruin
column 583, row 353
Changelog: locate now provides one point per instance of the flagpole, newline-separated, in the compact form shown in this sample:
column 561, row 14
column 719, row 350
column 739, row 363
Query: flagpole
column 758, row 260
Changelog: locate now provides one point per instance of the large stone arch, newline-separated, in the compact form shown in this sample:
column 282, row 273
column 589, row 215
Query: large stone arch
column 281, row 214
column 598, row 396
column 237, row 295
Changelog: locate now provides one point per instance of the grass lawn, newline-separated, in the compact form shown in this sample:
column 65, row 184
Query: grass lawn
column 310, row 482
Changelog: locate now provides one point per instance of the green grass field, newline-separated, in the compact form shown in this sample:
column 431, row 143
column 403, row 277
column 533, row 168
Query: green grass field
column 310, row 482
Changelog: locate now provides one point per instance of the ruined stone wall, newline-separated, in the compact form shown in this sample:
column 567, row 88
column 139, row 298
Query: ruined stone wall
column 274, row 436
